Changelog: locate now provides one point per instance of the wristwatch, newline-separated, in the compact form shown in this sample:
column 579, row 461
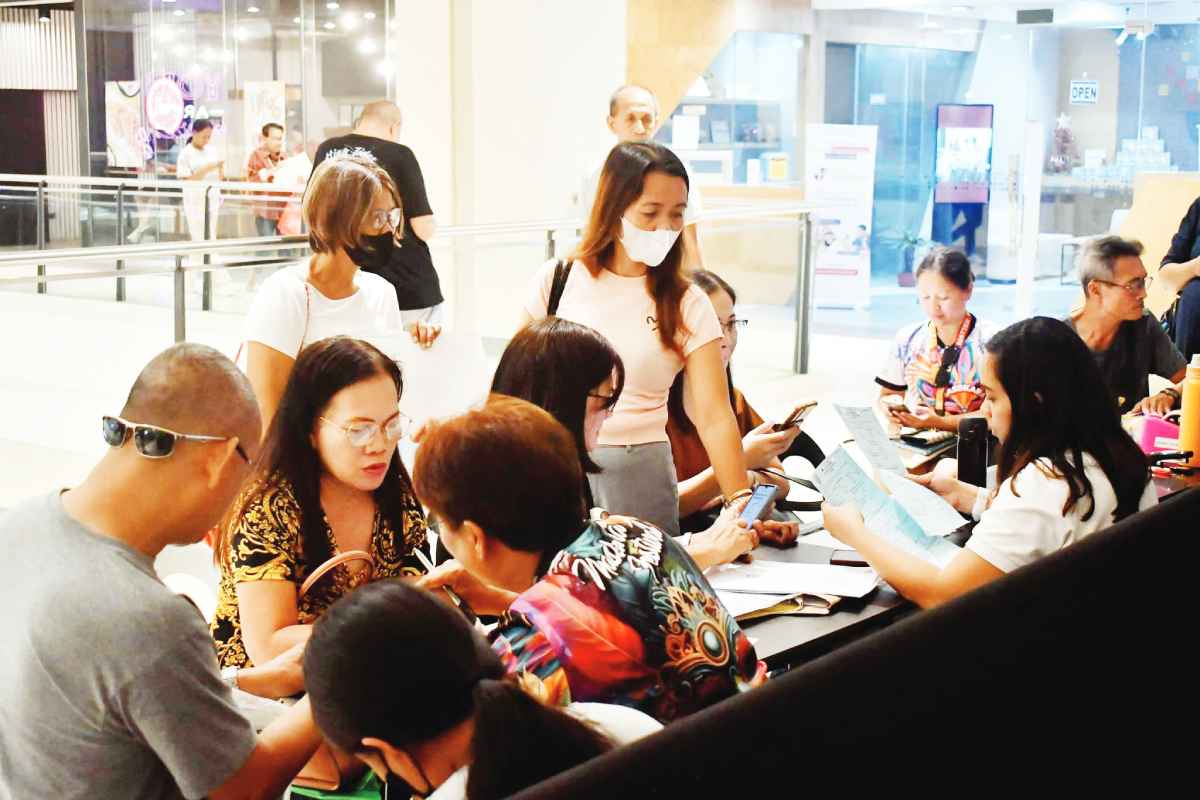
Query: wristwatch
column 229, row 677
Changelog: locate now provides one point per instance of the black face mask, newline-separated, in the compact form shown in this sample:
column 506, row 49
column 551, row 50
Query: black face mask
column 376, row 254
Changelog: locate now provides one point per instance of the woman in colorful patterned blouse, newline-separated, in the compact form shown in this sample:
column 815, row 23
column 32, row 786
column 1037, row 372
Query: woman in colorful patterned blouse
column 329, row 480
column 612, row 612
column 935, row 364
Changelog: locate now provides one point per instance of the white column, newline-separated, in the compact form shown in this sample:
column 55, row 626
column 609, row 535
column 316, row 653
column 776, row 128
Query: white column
column 1031, row 206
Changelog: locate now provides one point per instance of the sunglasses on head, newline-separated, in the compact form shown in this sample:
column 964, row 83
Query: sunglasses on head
column 152, row 441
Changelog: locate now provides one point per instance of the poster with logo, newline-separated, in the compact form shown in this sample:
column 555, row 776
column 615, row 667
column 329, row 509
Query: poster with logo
column 265, row 102
column 122, row 124
column 839, row 165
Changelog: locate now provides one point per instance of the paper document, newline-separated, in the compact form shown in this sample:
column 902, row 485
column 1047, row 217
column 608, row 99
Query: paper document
column 783, row 578
column 871, row 438
column 935, row 516
column 843, row 482
column 745, row 607
column 823, row 538
column 741, row 603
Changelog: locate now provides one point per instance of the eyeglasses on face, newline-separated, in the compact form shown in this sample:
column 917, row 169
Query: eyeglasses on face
column 1135, row 286
column 389, row 220
column 730, row 326
column 152, row 441
column 361, row 434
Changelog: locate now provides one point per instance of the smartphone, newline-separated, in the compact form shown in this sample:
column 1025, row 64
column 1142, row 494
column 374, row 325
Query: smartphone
column 759, row 504
column 894, row 403
column 847, row 558
column 973, row 449
column 798, row 415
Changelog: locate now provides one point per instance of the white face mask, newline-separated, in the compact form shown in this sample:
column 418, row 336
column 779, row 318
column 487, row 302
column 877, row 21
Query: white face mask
column 647, row 247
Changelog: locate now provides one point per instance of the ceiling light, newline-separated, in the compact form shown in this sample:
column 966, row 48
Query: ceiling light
column 369, row 15
column 333, row 6
column 296, row 20
column 329, row 26
column 252, row 9
column 43, row 14
column 179, row 12
column 367, row 46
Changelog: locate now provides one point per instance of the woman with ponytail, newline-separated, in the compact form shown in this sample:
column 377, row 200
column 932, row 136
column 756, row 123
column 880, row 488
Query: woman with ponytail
column 402, row 680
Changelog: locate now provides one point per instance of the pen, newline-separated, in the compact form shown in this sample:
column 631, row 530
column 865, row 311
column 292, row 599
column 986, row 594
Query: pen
column 458, row 601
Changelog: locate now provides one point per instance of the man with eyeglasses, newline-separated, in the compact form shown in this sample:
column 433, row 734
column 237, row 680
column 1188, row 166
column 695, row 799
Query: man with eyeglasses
column 108, row 683
column 410, row 267
column 1127, row 341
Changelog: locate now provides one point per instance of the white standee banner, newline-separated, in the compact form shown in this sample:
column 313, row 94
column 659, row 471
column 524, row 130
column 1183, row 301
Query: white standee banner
column 839, row 165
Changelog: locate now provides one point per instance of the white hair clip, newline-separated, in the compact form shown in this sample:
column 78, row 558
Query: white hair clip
column 351, row 152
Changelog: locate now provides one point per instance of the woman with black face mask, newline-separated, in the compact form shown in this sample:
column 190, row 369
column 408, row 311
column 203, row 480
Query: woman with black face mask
column 402, row 681
column 354, row 219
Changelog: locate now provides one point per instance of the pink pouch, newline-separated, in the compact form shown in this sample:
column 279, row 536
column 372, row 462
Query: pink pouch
column 1153, row 434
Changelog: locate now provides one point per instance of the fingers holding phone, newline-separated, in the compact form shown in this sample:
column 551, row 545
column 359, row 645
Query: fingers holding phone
column 764, row 444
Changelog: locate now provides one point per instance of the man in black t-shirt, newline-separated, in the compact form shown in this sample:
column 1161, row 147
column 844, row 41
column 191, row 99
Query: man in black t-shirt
column 410, row 266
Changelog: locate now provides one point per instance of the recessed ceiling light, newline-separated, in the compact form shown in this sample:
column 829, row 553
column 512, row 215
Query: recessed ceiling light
column 369, row 15
column 333, row 6
column 252, row 9
column 179, row 12
column 296, row 20
column 329, row 26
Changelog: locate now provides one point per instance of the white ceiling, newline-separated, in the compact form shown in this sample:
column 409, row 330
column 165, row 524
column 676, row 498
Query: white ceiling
column 1069, row 13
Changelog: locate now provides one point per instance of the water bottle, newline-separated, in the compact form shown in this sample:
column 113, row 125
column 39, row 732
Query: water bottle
column 1189, row 429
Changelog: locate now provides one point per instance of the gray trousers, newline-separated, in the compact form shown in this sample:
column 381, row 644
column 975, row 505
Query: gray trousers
column 638, row 481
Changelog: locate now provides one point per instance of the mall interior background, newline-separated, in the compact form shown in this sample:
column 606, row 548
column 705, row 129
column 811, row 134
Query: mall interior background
column 504, row 105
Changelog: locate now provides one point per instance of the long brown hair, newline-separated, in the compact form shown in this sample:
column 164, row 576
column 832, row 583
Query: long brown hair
column 323, row 369
column 621, row 183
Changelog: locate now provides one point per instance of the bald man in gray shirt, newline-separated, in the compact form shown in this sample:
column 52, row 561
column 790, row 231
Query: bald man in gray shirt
column 108, row 682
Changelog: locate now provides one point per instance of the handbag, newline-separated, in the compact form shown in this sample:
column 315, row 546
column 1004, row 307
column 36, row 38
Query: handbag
column 328, row 768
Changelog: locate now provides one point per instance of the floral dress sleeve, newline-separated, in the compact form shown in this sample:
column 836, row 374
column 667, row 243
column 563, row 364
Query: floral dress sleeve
column 264, row 545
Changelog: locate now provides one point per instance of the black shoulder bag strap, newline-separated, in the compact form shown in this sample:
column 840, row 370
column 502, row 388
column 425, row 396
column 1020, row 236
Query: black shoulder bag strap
column 562, row 271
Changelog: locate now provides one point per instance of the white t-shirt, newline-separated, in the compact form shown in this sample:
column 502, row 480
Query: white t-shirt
column 621, row 724
column 591, row 184
column 192, row 159
column 1024, row 525
column 278, row 317
column 623, row 311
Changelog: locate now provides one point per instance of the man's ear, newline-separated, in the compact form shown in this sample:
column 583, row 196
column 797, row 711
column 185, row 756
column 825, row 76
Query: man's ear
column 384, row 760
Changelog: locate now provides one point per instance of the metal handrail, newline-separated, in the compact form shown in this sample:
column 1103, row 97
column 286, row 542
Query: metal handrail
column 168, row 181
column 179, row 250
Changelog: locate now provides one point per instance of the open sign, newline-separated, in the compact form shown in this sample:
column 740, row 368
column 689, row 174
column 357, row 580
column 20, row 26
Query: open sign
column 1084, row 93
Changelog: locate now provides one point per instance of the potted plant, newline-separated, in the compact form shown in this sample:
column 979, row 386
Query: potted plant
column 907, row 242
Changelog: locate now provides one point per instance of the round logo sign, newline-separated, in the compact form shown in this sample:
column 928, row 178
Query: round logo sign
column 169, row 105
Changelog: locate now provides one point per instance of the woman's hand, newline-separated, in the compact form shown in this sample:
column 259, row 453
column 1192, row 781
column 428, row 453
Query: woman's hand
column 482, row 597
column 842, row 522
column 921, row 418
column 425, row 333
column 725, row 541
column 957, row 493
column 763, row 445
column 777, row 533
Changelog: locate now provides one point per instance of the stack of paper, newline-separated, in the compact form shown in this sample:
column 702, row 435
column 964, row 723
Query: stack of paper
column 744, row 606
column 789, row 580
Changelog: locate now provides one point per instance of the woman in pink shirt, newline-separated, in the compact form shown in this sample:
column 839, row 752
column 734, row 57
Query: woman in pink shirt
column 627, row 281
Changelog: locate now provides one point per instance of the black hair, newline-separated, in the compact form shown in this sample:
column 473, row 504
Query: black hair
column 266, row 129
column 1061, row 409
column 554, row 363
column 392, row 662
column 711, row 283
column 951, row 264
column 199, row 126
column 322, row 370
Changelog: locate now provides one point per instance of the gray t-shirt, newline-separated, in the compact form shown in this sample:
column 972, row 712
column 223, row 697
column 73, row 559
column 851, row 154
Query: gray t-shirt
column 1139, row 349
column 108, row 682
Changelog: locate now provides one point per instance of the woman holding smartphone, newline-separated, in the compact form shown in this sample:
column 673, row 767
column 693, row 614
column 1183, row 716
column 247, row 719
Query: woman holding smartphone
column 762, row 444
column 626, row 280
column 933, row 366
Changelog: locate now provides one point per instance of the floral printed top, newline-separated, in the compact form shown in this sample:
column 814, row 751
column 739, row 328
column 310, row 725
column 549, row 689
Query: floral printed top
column 915, row 356
column 266, row 546
column 625, row 616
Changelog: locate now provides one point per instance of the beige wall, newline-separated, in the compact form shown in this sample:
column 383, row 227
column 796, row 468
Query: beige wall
column 1091, row 54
